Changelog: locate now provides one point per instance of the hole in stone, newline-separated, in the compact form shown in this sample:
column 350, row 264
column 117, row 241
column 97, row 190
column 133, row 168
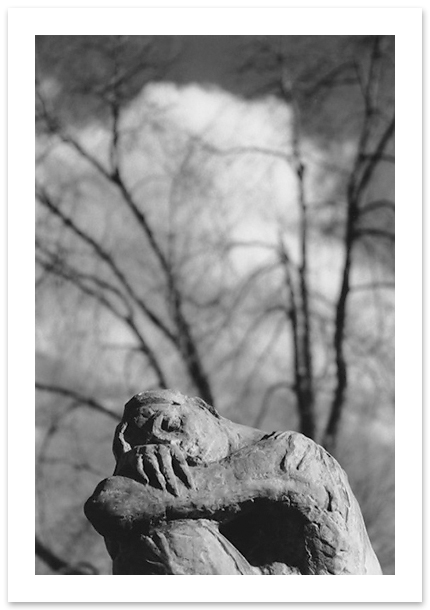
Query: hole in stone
column 266, row 532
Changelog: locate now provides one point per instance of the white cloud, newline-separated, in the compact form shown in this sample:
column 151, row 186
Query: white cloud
column 240, row 196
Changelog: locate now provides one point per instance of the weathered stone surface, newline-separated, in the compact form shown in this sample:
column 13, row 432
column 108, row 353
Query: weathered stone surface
column 194, row 493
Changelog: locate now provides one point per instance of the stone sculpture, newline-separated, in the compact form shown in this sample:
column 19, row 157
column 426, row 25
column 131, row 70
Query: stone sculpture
column 194, row 493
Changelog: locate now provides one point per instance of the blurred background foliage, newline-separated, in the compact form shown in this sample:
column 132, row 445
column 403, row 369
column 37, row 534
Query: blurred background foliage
column 213, row 214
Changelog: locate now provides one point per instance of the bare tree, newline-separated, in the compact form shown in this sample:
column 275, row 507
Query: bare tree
column 375, row 138
column 302, row 87
column 144, row 249
column 117, row 294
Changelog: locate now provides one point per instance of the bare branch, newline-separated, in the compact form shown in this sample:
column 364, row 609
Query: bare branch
column 80, row 398
column 266, row 400
column 250, row 281
column 265, row 352
column 363, row 171
column 382, row 157
column 75, row 278
column 243, row 150
column 106, row 257
column 183, row 340
column 256, row 323
column 373, row 286
column 302, row 339
column 332, row 78
column 380, row 204
column 372, row 162
column 58, row 266
column 292, row 315
column 254, row 243
column 370, row 232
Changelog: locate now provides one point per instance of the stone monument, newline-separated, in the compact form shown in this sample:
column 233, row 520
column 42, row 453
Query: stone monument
column 194, row 493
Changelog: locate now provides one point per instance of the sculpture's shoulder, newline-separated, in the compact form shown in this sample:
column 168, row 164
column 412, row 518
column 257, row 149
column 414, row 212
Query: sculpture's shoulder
column 301, row 446
column 299, row 451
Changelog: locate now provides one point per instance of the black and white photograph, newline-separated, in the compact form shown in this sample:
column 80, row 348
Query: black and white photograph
column 214, row 273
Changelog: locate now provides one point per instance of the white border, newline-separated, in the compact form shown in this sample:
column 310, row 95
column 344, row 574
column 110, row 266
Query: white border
column 405, row 24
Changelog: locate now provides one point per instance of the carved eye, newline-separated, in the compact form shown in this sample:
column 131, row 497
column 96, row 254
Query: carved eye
column 139, row 420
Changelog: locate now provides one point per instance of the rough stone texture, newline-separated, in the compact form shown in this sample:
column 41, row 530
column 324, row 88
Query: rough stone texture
column 194, row 493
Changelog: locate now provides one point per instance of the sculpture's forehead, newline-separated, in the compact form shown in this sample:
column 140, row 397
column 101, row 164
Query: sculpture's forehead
column 158, row 397
column 150, row 402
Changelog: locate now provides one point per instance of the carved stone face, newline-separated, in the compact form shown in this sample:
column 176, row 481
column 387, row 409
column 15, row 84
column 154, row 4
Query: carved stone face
column 170, row 418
